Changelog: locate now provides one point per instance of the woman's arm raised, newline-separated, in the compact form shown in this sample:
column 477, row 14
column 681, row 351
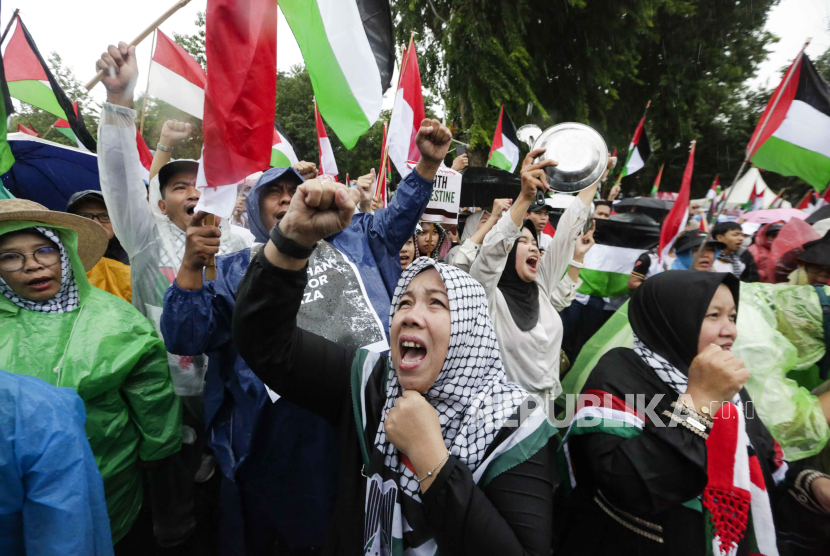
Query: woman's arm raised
column 304, row 368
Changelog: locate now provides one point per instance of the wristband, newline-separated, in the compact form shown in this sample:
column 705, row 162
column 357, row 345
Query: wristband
column 163, row 148
column 288, row 246
column 575, row 264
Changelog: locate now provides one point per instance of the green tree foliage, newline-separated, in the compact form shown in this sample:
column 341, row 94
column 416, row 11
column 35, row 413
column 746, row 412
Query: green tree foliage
column 599, row 63
column 42, row 121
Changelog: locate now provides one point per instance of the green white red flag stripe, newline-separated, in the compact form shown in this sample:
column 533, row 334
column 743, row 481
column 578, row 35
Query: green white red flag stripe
column 675, row 222
column 31, row 81
column 27, row 130
column 6, row 109
column 610, row 261
column 282, row 152
column 793, row 139
column 638, row 151
column 504, row 153
column 407, row 114
column 714, row 195
column 656, row 187
column 240, row 96
column 342, row 61
column 176, row 78
column 328, row 166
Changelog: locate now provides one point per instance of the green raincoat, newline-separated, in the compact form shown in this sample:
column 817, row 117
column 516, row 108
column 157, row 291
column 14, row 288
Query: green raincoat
column 110, row 354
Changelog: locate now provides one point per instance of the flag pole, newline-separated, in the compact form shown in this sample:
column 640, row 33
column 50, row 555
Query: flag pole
column 141, row 36
column 751, row 147
column 620, row 177
column 400, row 78
column 147, row 88
column 210, row 268
column 9, row 26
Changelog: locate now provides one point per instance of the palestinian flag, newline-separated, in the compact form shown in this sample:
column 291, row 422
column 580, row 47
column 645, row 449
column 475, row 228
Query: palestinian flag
column 282, row 151
column 610, row 261
column 638, row 151
column 597, row 411
column 31, row 81
column 328, row 166
column 755, row 201
column 807, row 201
column 713, row 195
column 656, row 187
column 27, row 130
column 504, row 153
column 778, row 201
column 676, row 220
column 6, row 109
column 349, row 49
column 794, row 138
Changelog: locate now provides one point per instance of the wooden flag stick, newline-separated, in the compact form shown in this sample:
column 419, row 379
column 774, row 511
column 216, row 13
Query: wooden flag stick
column 9, row 26
column 143, row 35
column 146, row 89
column 210, row 269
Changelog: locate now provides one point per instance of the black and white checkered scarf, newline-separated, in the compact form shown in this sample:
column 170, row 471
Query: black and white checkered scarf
column 471, row 394
column 65, row 300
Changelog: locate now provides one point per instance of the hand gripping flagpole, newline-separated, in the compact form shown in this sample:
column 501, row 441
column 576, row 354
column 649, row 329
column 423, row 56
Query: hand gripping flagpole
column 141, row 36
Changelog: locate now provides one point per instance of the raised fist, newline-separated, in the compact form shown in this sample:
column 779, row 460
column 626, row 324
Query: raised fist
column 318, row 210
column 120, row 73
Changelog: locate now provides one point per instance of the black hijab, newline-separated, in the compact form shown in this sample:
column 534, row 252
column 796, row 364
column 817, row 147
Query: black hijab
column 522, row 297
column 667, row 311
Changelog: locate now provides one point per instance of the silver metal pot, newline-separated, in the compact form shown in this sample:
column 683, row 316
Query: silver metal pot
column 581, row 154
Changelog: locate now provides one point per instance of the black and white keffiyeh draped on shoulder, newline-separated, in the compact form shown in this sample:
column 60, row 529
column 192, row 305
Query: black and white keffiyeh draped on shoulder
column 471, row 394
column 67, row 298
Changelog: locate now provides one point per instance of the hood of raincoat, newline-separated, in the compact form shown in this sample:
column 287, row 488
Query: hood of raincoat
column 252, row 203
column 111, row 356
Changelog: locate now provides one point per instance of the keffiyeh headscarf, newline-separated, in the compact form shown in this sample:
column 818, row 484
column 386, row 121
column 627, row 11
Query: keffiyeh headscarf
column 471, row 387
column 65, row 300
column 473, row 399
column 442, row 246
column 666, row 324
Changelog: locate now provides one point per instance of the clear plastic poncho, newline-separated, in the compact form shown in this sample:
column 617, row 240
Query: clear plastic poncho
column 154, row 244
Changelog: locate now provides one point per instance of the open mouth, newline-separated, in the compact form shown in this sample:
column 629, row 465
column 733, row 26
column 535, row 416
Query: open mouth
column 280, row 215
column 190, row 209
column 532, row 262
column 40, row 283
column 404, row 259
column 412, row 353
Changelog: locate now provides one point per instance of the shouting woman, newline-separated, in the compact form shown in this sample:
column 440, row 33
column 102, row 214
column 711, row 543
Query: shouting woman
column 525, row 290
column 439, row 452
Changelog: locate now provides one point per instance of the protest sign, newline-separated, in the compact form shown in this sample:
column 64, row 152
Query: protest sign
column 446, row 196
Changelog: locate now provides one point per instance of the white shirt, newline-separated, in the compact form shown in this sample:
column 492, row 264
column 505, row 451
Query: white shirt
column 532, row 358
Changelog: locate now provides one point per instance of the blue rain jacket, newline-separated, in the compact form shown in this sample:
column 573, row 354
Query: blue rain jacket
column 247, row 432
column 51, row 493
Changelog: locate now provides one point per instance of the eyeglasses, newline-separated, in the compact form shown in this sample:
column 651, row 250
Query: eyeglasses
column 46, row 256
column 102, row 217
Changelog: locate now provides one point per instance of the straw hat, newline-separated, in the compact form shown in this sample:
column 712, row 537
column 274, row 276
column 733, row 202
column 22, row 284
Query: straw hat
column 92, row 238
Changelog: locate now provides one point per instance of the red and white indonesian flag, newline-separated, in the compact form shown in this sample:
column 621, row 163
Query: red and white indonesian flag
column 675, row 222
column 793, row 139
column 407, row 114
column 176, row 78
column 380, row 184
column 240, row 96
column 328, row 166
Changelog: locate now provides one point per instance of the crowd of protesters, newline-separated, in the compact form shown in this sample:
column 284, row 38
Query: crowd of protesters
column 358, row 380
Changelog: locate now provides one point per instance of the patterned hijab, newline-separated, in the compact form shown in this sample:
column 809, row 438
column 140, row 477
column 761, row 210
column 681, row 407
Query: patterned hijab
column 65, row 300
column 471, row 394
